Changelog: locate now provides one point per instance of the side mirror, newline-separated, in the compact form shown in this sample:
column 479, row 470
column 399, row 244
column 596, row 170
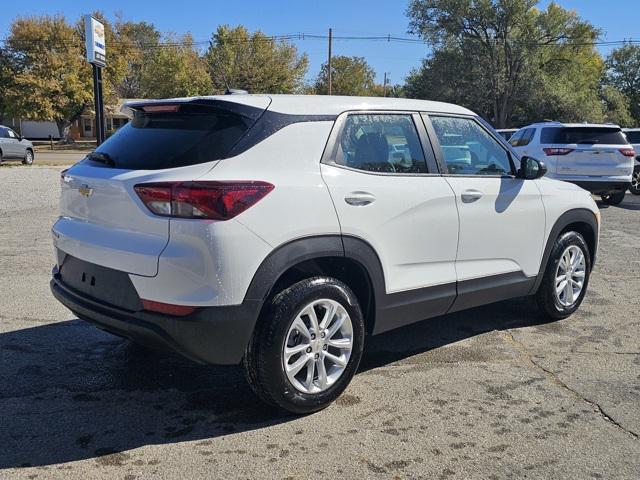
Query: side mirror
column 530, row 168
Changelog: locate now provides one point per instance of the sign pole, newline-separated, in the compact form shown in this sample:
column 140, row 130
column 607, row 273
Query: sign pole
column 97, row 57
column 98, row 103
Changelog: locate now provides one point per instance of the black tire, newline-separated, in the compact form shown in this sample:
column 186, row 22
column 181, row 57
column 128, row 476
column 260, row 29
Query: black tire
column 263, row 360
column 613, row 198
column 28, row 157
column 635, row 181
column 0, row 158
column 545, row 296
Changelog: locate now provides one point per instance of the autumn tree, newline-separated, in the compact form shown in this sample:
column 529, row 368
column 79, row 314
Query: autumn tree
column 254, row 62
column 50, row 78
column 495, row 54
column 175, row 69
column 349, row 76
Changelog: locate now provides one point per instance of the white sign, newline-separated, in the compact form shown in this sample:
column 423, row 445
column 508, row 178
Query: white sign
column 95, row 41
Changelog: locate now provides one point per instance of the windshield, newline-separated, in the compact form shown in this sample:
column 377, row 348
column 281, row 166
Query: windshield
column 583, row 135
column 178, row 136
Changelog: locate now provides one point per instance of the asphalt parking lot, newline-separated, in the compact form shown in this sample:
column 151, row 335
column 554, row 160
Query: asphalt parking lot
column 490, row 393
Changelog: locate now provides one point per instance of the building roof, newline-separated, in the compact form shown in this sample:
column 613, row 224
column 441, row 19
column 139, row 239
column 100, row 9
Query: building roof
column 322, row 104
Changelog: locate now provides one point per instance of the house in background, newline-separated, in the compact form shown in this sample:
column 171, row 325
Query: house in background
column 83, row 128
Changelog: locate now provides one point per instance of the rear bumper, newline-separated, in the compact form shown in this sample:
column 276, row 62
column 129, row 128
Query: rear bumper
column 599, row 187
column 211, row 335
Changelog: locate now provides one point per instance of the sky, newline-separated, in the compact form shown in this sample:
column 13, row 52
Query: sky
column 618, row 19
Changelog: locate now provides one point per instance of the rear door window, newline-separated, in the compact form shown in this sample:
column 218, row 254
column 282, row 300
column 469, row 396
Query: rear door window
column 176, row 136
column 515, row 138
column 583, row 135
column 381, row 143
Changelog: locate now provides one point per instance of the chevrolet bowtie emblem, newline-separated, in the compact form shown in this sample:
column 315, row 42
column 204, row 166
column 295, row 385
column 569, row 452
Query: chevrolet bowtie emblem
column 85, row 190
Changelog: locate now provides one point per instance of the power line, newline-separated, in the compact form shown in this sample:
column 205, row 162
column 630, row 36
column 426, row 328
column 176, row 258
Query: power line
column 564, row 42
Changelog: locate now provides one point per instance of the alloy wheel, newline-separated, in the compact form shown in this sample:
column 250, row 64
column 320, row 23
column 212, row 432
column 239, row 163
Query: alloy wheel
column 318, row 346
column 570, row 276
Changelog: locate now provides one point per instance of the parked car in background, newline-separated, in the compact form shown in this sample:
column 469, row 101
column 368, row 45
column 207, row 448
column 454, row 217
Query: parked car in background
column 506, row 132
column 633, row 136
column 14, row 147
column 596, row 157
column 278, row 231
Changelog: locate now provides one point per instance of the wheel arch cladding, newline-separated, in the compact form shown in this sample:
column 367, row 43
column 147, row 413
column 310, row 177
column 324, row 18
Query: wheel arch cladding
column 580, row 220
column 350, row 260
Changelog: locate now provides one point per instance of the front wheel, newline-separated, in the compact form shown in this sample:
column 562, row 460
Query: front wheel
column 307, row 346
column 613, row 198
column 635, row 181
column 566, row 277
column 28, row 157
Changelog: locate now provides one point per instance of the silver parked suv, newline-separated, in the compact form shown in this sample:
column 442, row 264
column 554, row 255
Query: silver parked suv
column 596, row 157
column 15, row 147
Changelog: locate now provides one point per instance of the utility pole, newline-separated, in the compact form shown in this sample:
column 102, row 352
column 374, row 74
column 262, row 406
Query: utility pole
column 384, row 85
column 329, row 63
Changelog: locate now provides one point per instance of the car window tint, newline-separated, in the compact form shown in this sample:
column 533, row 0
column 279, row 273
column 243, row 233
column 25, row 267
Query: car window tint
column 515, row 138
column 633, row 137
column 526, row 137
column 190, row 135
column 384, row 143
column 583, row 135
column 468, row 149
column 3, row 133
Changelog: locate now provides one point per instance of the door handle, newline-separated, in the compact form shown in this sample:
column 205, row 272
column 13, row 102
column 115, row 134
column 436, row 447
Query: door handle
column 359, row 199
column 469, row 196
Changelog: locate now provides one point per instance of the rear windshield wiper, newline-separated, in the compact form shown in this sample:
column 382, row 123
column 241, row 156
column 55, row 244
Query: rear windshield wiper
column 588, row 141
column 102, row 158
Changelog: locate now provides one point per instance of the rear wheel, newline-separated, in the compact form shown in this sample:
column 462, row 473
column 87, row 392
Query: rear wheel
column 613, row 198
column 307, row 346
column 28, row 157
column 566, row 277
column 635, row 181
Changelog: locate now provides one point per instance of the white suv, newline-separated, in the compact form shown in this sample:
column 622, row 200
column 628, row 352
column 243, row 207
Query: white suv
column 278, row 231
column 596, row 157
column 633, row 137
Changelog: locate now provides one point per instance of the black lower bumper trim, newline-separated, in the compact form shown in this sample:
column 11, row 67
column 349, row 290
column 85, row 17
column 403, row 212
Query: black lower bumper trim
column 211, row 335
column 602, row 187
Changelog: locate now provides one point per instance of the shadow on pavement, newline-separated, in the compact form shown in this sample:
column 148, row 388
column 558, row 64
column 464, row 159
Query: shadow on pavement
column 70, row 391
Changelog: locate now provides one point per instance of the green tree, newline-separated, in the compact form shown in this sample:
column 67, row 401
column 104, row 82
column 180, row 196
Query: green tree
column 623, row 73
column 349, row 76
column 254, row 62
column 497, row 55
column 175, row 70
column 50, row 79
column 616, row 106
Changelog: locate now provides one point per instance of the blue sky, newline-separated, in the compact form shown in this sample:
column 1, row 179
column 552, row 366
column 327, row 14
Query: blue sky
column 617, row 18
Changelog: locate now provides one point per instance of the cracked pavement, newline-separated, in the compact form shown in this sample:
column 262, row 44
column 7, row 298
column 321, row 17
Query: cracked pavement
column 495, row 392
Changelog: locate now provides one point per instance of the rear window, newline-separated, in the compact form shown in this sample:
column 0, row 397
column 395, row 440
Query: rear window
column 583, row 135
column 633, row 137
column 188, row 135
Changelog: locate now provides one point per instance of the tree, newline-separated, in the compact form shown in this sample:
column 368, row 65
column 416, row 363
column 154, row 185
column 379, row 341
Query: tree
column 175, row 70
column 254, row 62
column 623, row 73
column 492, row 52
column 50, row 78
column 349, row 76
column 616, row 106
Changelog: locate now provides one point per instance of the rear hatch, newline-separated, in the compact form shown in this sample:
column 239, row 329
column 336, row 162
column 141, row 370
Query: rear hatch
column 589, row 151
column 102, row 219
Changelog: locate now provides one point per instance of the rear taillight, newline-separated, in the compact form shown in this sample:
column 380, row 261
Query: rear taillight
column 201, row 200
column 557, row 151
column 628, row 152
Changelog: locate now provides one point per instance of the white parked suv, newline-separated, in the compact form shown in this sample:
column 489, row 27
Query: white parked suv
column 633, row 137
column 279, row 231
column 596, row 157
